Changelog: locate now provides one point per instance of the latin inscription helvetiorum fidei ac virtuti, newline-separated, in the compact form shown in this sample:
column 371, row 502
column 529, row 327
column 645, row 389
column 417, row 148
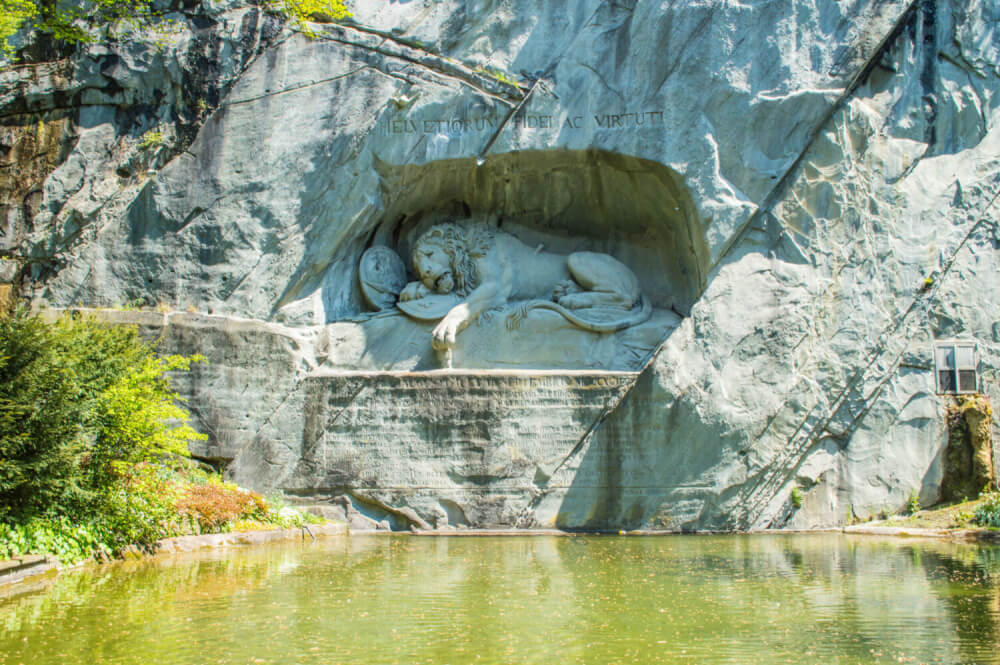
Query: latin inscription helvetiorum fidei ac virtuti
column 399, row 124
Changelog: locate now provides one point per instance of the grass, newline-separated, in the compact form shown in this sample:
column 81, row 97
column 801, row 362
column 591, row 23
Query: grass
column 943, row 516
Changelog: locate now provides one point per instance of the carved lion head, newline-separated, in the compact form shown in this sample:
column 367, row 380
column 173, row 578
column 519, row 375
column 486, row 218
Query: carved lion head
column 460, row 275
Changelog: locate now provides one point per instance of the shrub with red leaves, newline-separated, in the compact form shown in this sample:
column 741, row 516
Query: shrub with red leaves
column 213, row 506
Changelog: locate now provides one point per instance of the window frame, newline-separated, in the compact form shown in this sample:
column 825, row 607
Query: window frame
column 956, row 369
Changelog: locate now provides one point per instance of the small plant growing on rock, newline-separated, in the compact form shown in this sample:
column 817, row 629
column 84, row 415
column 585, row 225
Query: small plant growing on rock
column 913, row 504
column 963, row 518
column 301, row 12
column 499, row 75
column 797, row 497
column 151, row 139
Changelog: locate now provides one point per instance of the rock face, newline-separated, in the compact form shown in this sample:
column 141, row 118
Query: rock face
column 805, row 192
column 968, row 458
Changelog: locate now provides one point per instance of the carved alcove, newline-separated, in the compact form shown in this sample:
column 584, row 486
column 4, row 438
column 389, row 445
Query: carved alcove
column 559, row 203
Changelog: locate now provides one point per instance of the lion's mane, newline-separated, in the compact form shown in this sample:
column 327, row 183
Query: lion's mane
column 462, row 246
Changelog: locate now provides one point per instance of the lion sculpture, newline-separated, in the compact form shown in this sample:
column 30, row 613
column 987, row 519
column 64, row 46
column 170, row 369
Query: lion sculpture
column 487, row 269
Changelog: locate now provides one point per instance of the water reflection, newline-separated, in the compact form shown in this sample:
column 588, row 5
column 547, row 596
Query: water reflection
column 600, row 599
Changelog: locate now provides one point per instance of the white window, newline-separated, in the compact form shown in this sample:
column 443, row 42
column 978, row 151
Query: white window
column 955, row 366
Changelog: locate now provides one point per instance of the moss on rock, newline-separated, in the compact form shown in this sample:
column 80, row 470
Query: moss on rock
column 968, row 460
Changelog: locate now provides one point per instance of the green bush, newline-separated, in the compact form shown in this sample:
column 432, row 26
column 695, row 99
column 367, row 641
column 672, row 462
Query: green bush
column 137, row 511
column 79, row 402
column 93, row 446
column 40, row 421
column 988, row 512
column 149, row 502
column 59, row 536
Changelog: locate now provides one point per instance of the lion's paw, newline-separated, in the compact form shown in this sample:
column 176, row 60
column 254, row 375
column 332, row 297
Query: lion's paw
column 580, row 300
column 414, row 291
column 564, row 288
column 514, row 318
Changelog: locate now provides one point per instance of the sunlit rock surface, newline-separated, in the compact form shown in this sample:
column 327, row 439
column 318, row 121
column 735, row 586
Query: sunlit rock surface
column 805, row 191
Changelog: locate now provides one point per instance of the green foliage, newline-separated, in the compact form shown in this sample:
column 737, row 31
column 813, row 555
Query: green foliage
column 139, row 508
column 78, row 400
column 13, row 15
column 84, row 21
column 72, row 22
column 913, row 504
column 988, row 512
column 59, row 536
column 136, row 511
column 285, row 515
column 93, row 446
column 797, row 497
column 147, row 503
column 40, row 430
column 139, row 418
column 499, row 75
column 151, row 139
column 301, row 12
column 963, row 518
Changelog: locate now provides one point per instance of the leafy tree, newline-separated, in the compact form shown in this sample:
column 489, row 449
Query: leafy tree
column 14, row 14
column 76, row 21
column 93, row 446
column 80, row 402
column 139, row 419
column 66, row 20
column 41, row 420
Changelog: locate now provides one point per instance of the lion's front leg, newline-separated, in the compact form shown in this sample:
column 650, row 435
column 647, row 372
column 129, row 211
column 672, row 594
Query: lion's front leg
column 481, row 299
column 444, row 334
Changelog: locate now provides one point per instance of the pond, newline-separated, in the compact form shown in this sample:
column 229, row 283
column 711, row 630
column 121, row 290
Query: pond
column 825, row 598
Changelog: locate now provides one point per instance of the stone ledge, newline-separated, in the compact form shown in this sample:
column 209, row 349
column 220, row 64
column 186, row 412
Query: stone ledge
column 17, row 570
column 240, row 538
column 916, row 532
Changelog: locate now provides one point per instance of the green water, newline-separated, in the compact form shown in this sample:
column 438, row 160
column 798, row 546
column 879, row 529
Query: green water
column 595, row 599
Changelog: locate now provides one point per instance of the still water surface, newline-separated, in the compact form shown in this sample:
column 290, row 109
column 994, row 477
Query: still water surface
column 487, row 600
